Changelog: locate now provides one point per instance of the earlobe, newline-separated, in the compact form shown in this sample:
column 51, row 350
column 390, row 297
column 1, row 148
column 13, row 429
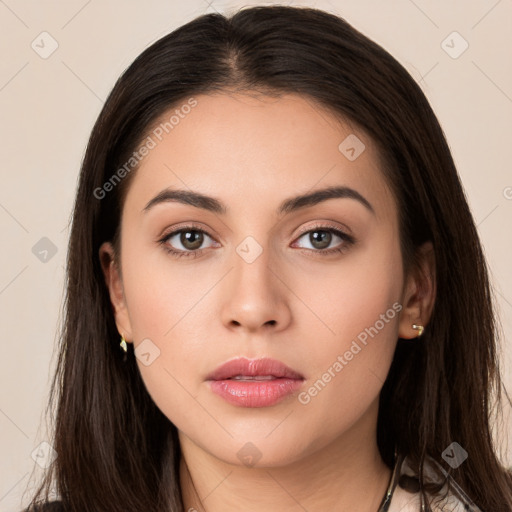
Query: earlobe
column 419, row 294
column 114, row 284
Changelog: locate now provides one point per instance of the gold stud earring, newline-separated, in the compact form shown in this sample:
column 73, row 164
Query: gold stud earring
column 419, row 328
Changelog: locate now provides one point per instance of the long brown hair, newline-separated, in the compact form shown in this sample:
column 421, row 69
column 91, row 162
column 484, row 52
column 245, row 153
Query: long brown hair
column 116, row 450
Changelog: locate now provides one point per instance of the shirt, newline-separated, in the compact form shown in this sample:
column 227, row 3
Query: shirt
column 403, row 500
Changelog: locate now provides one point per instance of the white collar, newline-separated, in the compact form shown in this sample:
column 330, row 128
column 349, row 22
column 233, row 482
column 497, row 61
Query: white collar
column 404, row 501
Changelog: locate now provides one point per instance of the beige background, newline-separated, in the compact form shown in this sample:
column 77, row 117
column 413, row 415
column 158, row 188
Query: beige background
column 48, row 107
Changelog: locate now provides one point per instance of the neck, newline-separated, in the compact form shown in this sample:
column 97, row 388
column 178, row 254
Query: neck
column 345, row 475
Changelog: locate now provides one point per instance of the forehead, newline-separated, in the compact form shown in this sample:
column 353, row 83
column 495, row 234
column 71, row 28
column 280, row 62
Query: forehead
column 251, row 149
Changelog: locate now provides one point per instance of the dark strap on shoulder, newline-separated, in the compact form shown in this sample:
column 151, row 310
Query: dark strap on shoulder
column 393, row 482
column 51, row 506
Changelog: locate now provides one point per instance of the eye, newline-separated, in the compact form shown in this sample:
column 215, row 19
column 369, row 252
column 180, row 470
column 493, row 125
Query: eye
column 190, row 238
column 321, row 237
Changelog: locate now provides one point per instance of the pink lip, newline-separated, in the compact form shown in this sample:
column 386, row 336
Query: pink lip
column 254, row 393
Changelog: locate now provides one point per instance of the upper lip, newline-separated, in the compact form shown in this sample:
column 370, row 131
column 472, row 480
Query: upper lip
column 253, row 367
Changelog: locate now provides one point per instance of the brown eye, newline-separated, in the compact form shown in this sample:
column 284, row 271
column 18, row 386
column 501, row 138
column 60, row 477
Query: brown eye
column 321, row 238
column 187, row 241
column 191, row 239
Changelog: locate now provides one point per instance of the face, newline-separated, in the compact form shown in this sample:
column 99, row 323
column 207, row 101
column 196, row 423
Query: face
column 315, row 284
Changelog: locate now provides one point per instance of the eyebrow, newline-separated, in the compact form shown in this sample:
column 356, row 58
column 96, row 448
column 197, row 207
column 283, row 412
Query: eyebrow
column 292, row 204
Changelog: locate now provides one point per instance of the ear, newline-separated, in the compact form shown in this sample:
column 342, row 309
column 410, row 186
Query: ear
column 114, row 282
column 419, row 293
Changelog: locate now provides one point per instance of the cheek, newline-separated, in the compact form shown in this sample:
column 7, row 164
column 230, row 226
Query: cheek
column 359, row 309
column 161, row 292
column 164, row 326
column 351, row 295
column 169, row 313
column 348, row 375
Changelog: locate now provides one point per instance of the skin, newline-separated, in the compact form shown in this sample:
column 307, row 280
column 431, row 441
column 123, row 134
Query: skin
column 291, row 303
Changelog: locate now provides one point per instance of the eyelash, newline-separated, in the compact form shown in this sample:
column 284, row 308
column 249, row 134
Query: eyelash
column 348, row 240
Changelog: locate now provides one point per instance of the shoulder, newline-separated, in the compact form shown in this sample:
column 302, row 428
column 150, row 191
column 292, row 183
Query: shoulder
column 407, row 498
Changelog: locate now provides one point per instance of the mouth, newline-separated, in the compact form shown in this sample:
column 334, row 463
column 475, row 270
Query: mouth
column 254, row 383
column 255, row 377
column 254, row 369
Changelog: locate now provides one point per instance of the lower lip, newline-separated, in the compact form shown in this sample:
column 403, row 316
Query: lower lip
column 255, row 393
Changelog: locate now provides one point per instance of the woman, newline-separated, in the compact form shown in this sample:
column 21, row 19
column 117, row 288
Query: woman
column 277, row 299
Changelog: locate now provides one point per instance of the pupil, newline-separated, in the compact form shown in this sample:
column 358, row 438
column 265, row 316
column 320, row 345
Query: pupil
column 320, row 239
column 193, row 241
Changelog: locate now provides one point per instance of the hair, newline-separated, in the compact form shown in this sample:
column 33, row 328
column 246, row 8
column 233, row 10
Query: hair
column 116, row 450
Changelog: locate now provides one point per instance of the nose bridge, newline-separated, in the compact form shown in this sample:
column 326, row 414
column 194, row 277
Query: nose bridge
column 256, row 297
column 253, row 268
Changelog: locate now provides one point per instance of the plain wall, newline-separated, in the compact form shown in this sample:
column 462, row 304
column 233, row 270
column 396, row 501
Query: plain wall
column 48, row 107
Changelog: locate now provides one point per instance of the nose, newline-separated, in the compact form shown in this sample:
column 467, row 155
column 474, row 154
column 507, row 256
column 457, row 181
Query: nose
column 255, row 296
